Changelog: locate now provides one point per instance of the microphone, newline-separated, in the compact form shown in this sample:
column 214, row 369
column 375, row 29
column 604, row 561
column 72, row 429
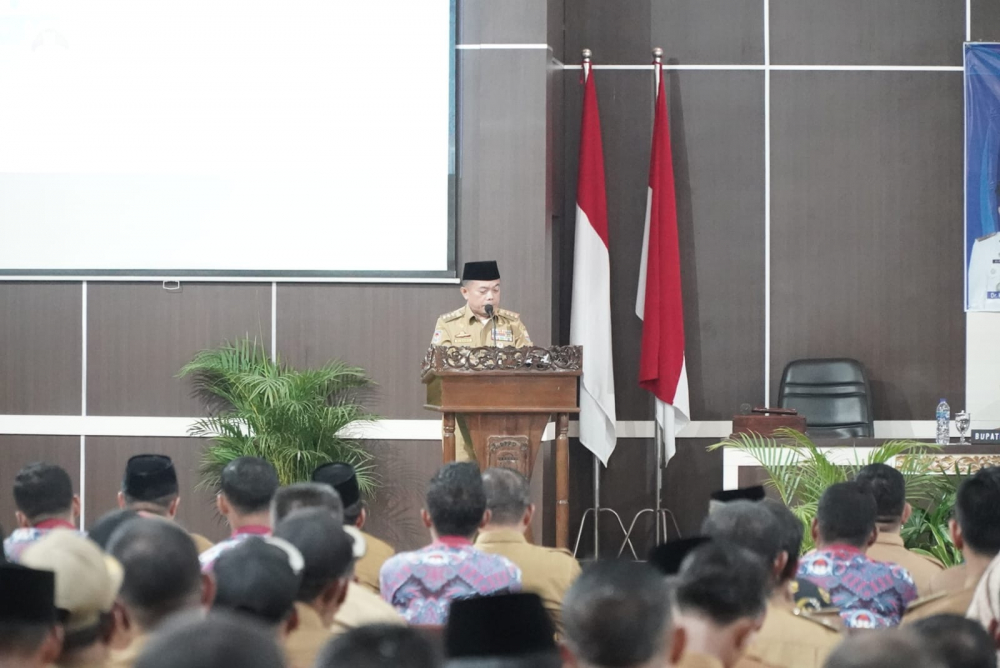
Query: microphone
column 489, row 312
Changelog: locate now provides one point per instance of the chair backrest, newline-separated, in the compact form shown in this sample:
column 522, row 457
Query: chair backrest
column 832, row 394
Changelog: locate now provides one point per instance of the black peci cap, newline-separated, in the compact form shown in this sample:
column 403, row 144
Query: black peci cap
column 755, row 493
column 481, row 271
column 149, row 477
column 668, row 557
column 501, row 625
column 27, row 595
column 341, row 477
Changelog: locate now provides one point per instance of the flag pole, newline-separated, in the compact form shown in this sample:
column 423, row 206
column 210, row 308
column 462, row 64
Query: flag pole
column 596, row 509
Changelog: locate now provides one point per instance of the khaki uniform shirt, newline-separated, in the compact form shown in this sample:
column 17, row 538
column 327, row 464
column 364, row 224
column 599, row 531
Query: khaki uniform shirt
column 362, row 607
column 953, row 603
column 545, row 571
column 949, row 580
column 201, row 542
column 791, row 640
column 463, row 328
column 889, row 548
column 304, row 644
column 695, row 660
column 367, row 569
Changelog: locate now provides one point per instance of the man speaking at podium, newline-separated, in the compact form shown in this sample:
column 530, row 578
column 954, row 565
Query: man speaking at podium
column 480, row 323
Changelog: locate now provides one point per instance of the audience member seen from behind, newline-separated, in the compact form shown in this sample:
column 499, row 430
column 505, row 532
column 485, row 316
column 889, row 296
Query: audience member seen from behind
column 789, row 638
column 545, row 571
column 617, row 614
column 149, row 487
column 343, row 478
column 888, row 486
column 720, row 599
column 260, row 578
column 108, row 523
column 217, row 641
column 956, row 641
column 883, row 649
column 975, row 530
column 379, row 646
column 29, row 634
column 162, row 577
column 500, row 631
column 247, row 485
column 361, row 606
column 87, row 585
column 422, row 584
column 870, row 594
column 43, row 494
column 328, row 561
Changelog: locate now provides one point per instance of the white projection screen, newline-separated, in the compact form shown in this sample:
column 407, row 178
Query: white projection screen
column 273, row 138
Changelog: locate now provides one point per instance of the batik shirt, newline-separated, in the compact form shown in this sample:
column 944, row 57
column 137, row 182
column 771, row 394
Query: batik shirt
column 20, row 539
column 870, row 594
column 421, row 585
column 209, row 556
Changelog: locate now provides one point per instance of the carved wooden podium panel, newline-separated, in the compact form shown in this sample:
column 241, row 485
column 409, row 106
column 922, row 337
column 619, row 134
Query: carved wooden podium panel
column 506, row 397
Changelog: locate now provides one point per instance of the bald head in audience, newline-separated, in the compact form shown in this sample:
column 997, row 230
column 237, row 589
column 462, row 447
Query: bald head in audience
column 617, row 613
column 883, row 649
column 220, row 639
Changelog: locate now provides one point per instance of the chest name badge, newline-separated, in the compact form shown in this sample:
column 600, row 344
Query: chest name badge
column 463, row 336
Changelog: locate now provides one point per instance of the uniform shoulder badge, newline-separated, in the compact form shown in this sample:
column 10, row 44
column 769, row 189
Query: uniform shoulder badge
column 988, row 236
column 920, row 602
column 817, row 620
column 510, row 314
column 454, row 315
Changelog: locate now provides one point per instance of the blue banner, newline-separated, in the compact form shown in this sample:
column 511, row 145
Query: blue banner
column 982, row 177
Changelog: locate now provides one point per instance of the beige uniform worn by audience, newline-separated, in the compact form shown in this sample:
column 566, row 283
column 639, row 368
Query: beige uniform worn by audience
column 367, row 568
column 944, row 603
column 304, row 644
column 791, row 640
column 548, row 572
column 363, row 607
column 889, row 548
column 947, row 581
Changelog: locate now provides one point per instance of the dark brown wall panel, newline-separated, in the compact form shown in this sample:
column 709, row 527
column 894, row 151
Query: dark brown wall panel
column 718, row 148
column 105, row 463
column 40, row 348
column 385, row 329
column 17, row 451
column 866, row 213
column 688, row 31
column 507, row 22
column 862, row 32
column 709, row 31
column 140, row 335
column 985, row 21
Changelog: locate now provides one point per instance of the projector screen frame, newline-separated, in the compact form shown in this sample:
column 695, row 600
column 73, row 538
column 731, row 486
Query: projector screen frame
column 446, row 276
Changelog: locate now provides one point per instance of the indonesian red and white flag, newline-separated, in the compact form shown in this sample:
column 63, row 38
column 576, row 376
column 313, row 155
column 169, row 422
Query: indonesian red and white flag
column 590, row 319
column 658, row 302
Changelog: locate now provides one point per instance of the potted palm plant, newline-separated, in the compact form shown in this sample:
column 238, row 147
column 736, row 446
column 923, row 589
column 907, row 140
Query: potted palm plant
column 800, row 472
column 295, row 419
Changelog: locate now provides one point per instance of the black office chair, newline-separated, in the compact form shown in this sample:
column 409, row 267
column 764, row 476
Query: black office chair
column 832, row 394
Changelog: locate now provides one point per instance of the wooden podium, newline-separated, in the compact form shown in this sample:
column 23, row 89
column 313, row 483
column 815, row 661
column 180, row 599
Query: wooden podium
column 506, row 397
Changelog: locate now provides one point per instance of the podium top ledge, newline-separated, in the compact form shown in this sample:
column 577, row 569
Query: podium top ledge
column 462, row 359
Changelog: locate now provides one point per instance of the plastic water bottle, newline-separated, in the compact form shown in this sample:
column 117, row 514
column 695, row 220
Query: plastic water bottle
column 943, row 423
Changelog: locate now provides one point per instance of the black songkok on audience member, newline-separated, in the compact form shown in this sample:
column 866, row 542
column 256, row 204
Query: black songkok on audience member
column 505, row 625
column 668, row 557
column 341, row 477
column 149, row 477
column 27, row 596
column 481, row 271
column 755, row 493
